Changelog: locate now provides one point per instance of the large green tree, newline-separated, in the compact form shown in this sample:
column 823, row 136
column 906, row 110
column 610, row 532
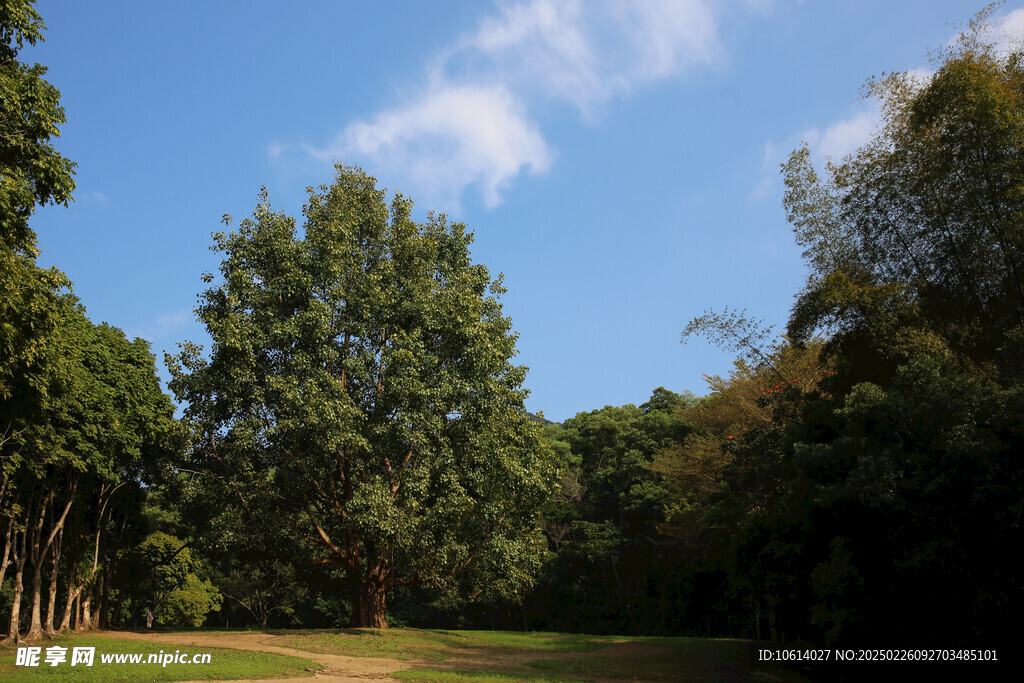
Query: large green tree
column 32, row 173
column 359, row 407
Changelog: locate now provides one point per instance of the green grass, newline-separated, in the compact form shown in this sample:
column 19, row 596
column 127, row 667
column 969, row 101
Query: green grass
column 407, row 643
column 502, row 656
column 509, row 676
column 670, row 659
column 401, row 644
column 225, row 664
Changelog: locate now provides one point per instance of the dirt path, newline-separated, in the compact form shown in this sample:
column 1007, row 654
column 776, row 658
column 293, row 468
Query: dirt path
column 335, row 667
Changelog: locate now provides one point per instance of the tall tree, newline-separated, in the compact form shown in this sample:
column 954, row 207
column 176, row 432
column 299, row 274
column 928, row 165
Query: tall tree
column 359, row 404
column 32, row 173
column 915, row 242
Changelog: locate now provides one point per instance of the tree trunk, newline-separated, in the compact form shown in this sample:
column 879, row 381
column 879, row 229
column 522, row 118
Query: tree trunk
column 35, row 628
column 116, row 619
column 5, row 560
column 74, row 588
column 368, row 605
column 85, row 623
column 104, row 620
column 35, row 530
column 18, row 559
column 94, row 619
column 51, row 601
column 14, row 631
column 40, row 548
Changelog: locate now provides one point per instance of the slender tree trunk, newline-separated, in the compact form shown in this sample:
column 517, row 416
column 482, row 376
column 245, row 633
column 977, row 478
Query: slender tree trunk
column 73, row 588
column 94, row 618
column 18, row 554
column 5, row 560
column 71, row 605
column 85, row 623
column 35, row 628
column 116, row 619
column 51, row 602
column 104, row 620
column 14, row 629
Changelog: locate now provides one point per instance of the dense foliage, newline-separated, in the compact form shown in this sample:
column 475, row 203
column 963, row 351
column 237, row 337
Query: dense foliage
column 359, row 409
column 882, row 505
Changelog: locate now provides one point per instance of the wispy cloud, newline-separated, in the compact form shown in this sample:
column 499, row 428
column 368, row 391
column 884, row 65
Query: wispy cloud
column 475, row 122
column 162, row 327
column 86, row 198
column 453, row 137
column 844, row 136
column 1011, row 31
column 833, row 142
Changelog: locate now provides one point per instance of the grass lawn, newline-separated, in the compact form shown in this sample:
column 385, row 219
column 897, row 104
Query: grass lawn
column 499, row 656
column 408, row 643
column 224, row 664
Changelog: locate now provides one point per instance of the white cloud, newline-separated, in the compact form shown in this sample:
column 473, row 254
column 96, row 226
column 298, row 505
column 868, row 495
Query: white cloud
column 453, row 137
column 844, row 136
column 475, row 121
column 1006, row 34
column 834, row 141
column 1011, row 31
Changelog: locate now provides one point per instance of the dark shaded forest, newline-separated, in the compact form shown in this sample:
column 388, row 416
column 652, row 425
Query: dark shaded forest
column 353, row 449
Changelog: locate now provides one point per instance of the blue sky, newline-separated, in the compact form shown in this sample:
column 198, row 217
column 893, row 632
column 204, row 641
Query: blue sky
column 617, row 161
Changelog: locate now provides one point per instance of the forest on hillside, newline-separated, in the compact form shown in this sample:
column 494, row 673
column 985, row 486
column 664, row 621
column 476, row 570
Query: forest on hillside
column 353, row 447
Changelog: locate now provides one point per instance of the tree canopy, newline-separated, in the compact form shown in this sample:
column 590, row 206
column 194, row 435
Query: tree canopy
column 359, row 404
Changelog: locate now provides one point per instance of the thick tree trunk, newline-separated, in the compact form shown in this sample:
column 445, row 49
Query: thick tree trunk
column 368, row 605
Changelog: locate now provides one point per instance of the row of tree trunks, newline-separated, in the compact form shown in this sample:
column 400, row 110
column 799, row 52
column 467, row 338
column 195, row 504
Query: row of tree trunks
column 34, row 539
